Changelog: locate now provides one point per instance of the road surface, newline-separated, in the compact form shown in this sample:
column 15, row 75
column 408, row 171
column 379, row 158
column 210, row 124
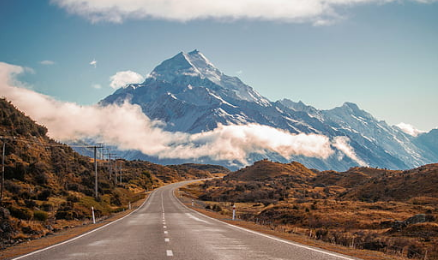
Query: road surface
column 163, row 228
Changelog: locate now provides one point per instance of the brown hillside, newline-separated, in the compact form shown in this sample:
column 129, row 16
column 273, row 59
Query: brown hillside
column 265, row 170
column 399, row 185
column 354, row 177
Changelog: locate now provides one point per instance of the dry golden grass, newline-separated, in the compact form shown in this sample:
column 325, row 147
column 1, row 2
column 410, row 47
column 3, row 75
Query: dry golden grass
column 312, row 214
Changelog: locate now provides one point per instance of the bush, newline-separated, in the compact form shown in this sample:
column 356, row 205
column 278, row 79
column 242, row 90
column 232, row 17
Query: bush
column 40, row 215
column 67, row 215
column 72, row 198
column 12, row 187
column 46, row 206
column 217, row 208
column 21, row 213
column 41, row 178
column 30, row 204
column 45, row 194
column 72, row 186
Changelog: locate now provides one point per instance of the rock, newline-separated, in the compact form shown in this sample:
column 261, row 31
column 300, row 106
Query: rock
column 4, row 213
column 398, row 225
column 419, row 218
column 6, row 227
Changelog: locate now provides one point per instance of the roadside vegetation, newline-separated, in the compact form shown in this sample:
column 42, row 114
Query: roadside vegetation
column 394, row 212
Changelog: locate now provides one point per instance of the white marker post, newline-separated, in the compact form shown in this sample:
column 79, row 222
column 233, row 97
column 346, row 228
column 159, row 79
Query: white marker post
column 92, row 213
column 129, row 205
column 193, row 203
column 234, row 212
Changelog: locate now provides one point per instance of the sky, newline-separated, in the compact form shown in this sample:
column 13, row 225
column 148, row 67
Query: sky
column 379, row 54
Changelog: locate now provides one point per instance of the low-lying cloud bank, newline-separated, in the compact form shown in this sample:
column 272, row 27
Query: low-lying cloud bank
column 318, row 12
column 409, row 129
column 126, row 127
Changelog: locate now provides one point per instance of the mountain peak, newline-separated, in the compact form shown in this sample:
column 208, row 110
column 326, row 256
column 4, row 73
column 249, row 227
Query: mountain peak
column 192, row 64
column 195, row 51
column 195, row 70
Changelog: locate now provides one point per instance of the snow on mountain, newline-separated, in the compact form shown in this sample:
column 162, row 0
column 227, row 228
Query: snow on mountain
column 189, row 94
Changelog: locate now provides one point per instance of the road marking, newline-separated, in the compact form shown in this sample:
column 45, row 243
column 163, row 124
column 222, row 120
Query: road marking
column 166, row 232
column 167, row 240
column 195, row 218
column 164, row 226
column 162, row 203
column 169, row 253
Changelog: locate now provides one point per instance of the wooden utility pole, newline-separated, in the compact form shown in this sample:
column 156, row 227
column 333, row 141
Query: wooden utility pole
column 3, row 170
column 96, row 181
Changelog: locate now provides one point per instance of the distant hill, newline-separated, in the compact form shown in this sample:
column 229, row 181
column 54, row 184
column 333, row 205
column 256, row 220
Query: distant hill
column 398, row 185
column 357, row 183
column 201, row 168
column 267, row 170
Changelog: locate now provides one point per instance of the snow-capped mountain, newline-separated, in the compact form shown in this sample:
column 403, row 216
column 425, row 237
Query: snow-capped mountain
column 191, row 95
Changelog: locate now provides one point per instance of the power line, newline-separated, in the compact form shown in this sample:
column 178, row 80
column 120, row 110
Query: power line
column 95, row 147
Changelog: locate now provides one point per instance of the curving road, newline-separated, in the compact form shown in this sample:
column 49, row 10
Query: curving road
column 163, row 228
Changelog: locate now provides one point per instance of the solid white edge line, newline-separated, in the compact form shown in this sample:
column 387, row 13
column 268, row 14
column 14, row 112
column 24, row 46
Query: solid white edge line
column 85, row 234
column 268, row 236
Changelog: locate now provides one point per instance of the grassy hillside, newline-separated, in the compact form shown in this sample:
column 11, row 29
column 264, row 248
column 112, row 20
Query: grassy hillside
column 48, row 186
column 366, row 208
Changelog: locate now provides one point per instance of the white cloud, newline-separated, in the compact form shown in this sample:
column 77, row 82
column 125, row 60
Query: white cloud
column 342, row 144
column 409, row 129
column 318, row 12
column 96, row 86
column 47, row 62
column 236, row 142
column 123, row 78
column 93, row 63
column 126, row 127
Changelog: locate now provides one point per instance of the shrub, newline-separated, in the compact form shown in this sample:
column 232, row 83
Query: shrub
column 45, row 194
column 12, row 187
column 72, row 198
column 217, row 208
column 40, row 215
column 72, row 186
column 46, row 206
column 21, row 213
column 67, row 215
column 30, row 204
column 41, row 178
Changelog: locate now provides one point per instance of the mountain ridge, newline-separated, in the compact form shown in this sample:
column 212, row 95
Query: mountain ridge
column 189, row 94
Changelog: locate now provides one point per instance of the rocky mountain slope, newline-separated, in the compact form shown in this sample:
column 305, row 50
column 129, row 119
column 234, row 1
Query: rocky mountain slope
column 189, row 94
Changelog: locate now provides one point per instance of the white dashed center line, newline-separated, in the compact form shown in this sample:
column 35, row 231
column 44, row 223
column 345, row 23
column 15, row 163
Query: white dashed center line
column 166, row 232
column 166, row 240
column 169, row 253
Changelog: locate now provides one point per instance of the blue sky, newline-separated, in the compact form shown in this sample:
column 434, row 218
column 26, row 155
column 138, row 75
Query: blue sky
column 382, row 55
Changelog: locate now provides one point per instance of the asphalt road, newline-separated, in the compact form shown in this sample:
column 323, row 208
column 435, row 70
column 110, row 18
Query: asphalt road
column 163, row 228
